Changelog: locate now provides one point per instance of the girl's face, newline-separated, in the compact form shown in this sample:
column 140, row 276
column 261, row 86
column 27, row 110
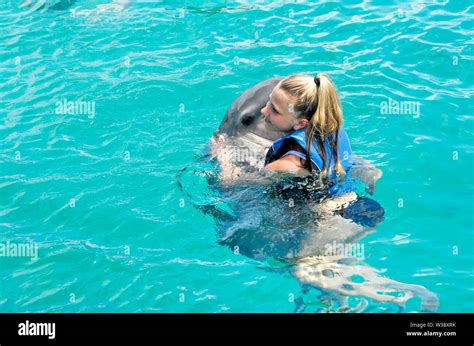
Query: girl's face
column 279, row 112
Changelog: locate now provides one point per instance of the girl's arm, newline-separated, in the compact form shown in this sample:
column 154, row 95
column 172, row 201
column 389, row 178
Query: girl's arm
column 290, row 164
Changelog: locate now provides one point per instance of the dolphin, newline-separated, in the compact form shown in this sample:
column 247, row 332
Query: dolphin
column 264, row 225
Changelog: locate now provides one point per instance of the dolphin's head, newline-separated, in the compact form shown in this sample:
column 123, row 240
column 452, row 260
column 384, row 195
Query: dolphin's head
column 244, row 115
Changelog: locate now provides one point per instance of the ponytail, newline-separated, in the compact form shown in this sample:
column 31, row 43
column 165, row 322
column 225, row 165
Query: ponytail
column 319, row 103
column 325, row 124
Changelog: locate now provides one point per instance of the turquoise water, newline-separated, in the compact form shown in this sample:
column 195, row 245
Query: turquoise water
column 98, row 192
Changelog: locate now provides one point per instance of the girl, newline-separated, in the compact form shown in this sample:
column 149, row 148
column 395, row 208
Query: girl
column 310, row 111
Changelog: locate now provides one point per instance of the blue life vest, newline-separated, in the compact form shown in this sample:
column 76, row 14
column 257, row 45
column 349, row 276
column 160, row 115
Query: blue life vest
column 345, row 156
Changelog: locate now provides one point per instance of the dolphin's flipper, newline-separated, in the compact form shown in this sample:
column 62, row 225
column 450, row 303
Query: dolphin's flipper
column 219, row 214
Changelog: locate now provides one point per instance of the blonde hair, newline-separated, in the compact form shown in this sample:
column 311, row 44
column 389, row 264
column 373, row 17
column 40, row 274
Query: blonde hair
column 318, row 101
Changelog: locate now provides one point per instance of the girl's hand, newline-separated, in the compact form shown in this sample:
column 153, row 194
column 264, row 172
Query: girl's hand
column 229, row 173
column 217, row 142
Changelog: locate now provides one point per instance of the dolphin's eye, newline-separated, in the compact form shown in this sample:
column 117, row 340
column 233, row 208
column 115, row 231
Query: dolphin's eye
column 247, row 120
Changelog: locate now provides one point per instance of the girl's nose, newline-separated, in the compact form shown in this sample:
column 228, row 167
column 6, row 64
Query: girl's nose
column 264, row 111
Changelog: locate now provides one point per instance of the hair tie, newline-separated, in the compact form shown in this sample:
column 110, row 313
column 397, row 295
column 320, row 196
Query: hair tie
column 316, row 81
